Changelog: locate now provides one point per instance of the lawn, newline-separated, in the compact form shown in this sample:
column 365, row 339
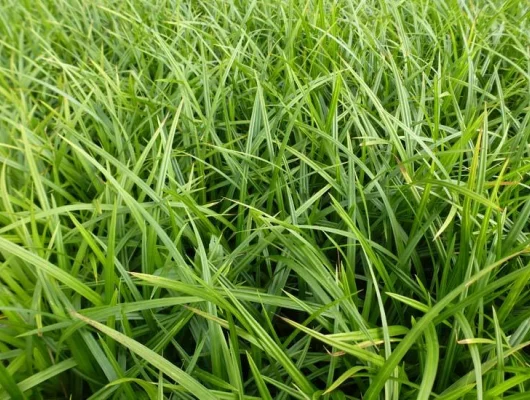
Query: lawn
column 265, row 199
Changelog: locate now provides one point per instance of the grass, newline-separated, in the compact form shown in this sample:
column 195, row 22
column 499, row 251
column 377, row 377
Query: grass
column 258, row 199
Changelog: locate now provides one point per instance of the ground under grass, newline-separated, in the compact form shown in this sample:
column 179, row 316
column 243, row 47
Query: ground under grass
column 245, row 199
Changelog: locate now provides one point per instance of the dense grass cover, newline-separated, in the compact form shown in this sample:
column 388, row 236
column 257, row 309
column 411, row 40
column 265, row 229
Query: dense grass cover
column 243, row 199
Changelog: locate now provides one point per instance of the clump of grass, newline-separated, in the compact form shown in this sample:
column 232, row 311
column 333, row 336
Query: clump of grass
column 264, row 199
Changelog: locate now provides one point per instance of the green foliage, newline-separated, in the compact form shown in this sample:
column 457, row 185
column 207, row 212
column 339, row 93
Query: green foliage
column 276, row 199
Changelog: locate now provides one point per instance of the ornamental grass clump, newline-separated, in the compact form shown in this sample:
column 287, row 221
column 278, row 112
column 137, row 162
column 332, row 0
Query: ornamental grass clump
column 264, row 199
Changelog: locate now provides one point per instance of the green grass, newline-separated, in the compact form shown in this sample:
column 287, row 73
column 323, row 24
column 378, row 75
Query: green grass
column 275, row 199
